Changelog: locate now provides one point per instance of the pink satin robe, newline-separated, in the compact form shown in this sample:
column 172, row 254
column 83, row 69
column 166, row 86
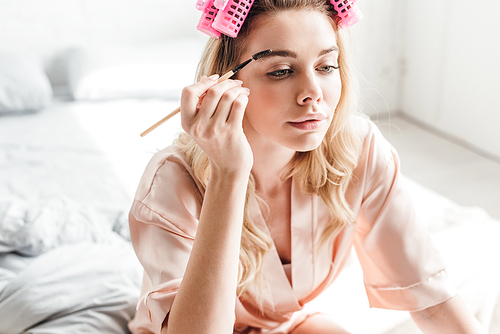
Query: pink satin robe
column 402, row 268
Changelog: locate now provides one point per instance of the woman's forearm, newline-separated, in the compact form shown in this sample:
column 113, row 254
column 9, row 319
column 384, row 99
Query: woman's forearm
column 452, row 317
column 206, row 298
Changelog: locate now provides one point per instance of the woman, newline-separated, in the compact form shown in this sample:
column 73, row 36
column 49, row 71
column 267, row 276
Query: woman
column 253, row 212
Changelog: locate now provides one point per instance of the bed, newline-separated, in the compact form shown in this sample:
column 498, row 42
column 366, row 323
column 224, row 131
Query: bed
column 69, row 165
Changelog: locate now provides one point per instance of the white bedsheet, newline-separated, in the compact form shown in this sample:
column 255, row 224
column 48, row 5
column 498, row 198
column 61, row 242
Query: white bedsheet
column 64, row 270
column 67, row 177
column 66, row 264
column 75, row 288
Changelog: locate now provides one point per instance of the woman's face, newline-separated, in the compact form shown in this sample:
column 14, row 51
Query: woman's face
column 294, row 91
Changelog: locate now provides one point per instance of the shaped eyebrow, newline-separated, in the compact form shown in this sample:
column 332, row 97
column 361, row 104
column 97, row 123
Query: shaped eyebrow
column 292, row 54
column 280, row 53
column 332, row 49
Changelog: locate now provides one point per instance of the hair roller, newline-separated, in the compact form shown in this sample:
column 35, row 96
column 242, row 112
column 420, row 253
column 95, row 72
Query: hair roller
column 347, row 11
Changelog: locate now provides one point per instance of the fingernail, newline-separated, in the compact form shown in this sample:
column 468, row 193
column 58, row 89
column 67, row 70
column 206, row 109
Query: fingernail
column 238, row 81
column 213, row 77
column 247, row 89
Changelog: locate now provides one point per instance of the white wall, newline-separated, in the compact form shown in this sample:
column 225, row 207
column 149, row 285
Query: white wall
column 452, row 69
column 48, row 27
column 376, row 43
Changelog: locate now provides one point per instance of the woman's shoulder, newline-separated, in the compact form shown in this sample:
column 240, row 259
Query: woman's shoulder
column 167, row 167
column 168, row 195
column 365, row 128
column 376, row 154
column 373, row 141
column 377, row 167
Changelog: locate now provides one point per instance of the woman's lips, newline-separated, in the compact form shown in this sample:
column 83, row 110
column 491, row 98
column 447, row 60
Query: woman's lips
column 308, row 125
column 309, row 122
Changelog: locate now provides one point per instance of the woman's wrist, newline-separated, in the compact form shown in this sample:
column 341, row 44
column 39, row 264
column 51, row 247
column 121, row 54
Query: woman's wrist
column 232, row 176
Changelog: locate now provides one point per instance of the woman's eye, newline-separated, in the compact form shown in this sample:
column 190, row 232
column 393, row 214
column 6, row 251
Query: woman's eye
column 280, row 74
column 328, row 68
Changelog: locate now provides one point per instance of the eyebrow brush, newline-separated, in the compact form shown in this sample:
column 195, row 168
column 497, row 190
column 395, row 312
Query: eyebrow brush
column 226, row 76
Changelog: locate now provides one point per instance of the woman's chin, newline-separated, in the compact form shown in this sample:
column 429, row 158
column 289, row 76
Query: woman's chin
column 309, row 144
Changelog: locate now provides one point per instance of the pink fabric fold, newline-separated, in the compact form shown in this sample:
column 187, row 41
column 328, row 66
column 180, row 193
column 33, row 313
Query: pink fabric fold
column 154, row 306
column 435, row 290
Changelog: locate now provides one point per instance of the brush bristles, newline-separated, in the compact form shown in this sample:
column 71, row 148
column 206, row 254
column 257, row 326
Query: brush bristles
column 256, row 56
column 240, row 66
column 261, row 54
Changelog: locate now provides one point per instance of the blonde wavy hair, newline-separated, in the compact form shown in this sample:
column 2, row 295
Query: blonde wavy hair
column 325, row 171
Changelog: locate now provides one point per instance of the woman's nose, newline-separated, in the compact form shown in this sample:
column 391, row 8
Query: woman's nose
column 310, row 91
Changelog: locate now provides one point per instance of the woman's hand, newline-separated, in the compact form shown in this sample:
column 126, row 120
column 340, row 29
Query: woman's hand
column 212, row 114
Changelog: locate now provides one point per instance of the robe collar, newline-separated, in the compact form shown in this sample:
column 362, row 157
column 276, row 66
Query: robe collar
column 278, row 292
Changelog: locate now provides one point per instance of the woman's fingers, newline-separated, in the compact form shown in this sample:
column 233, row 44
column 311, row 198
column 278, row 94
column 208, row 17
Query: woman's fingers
column 207, row 101
column 235, row 117
column 218, row 98
column 192, row 94
column 220, row 112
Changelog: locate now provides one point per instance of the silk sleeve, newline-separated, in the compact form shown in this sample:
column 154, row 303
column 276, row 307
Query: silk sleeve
column 402, row 268
column 163, row 221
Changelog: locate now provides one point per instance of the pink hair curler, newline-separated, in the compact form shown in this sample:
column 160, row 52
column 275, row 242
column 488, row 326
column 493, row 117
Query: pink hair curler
column 207, row 18
column 347, row 11
column 228, row 16
column 220, row 4
column 230, row 19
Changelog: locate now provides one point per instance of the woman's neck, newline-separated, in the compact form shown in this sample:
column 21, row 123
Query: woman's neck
column 268, row 168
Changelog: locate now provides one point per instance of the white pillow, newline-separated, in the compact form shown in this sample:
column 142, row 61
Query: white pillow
column 144, row 71
column 24, row 86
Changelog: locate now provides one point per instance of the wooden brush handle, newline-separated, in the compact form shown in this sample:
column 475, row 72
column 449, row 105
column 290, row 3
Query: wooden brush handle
column 176, row 111
column 161, row 121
